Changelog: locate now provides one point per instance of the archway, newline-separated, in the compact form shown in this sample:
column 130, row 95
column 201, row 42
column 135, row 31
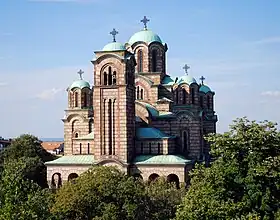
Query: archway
column 72, row 176
column 153, row 177
column 173, row 179
column 56, row 181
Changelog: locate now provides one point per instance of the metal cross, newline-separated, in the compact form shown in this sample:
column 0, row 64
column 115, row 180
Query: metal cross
column 186, row 67
column 114, row 33
column 202, row 78
column 145, row 20
column 81, row 73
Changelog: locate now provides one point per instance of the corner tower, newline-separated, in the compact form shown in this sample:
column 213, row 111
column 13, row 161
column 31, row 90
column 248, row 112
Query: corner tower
column 113, row 98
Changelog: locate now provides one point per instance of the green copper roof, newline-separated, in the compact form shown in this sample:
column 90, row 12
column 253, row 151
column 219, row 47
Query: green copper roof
column 186, row 79
column 80, row 84
column 89, row 136
column 151, row 133
column 204, row 88
column 145, row 36
column 72, row 160
column 113, row 46
column 153, row 111
column 160, row 159
column 167, row 80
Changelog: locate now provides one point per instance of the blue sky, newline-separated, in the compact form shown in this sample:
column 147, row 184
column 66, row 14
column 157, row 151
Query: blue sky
column 43, row 43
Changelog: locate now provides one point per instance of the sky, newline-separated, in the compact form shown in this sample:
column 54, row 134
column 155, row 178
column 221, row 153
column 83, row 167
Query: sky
column 235, row 45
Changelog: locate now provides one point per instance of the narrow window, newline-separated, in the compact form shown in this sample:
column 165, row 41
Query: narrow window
column 114, row 78
column 192, row 94
column 76, row 135
column 138, row 90
column 105, row 79
column 185, row 144
column 208, row 102
column 150, row 148
column 88, row 148
column 142, row 94
column 76, row 99
column 184, row 96
column 154, row 60
column 177, row 96
column 201, row 101
column 80, row 148
column 158, row 148
column 90, row 125
column 140, row 61
column 142, row 148
column 110, row 127
column 85, row 99
column 110, row 76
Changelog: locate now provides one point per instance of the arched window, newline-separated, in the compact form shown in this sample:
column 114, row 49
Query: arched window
column 105, row 78
column 150, row 148
column 192, row 94
column 138, row 91
column 201, row 101
column 85, row 99
column 208, row 102
column 140, row 61
column 154, row 60
column 90, row 125
column 114, row 78
column 88, row 148
column 177, row 96
column 185, row 141
column 80, row 148
column 76, row 99
column 76, row 135
column 110, row 76
column 184, row 96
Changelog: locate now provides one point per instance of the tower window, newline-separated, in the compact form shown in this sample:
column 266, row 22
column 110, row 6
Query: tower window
column 80, row 148
column 76, row 99
column 177, row 96
column 208, row 102
column 114, row 78
column 150, row 148
column 185, row 141
column 140, row 61
column 76, row 135
column 192, row 94
column 158, row 148
column 137, row 92
column 142, row 94
column 154, row 60
column 88, row 148
column 90, row 125
column 201, row 101
column 110, row 76
column 105, row 78
column 85, row 99
column 184, row 96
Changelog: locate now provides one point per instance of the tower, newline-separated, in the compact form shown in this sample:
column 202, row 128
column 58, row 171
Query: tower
column 114, row 98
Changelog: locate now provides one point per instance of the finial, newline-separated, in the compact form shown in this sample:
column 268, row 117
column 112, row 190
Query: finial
column 145, row 20
column 186, row 67
column 202, row 78
column 80, row 72
column 114, row 33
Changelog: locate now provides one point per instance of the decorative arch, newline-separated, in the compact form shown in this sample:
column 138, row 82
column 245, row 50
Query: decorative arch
column 153, row 177
column 174, row 179
column 56, row 181
column 72, row 176
column 111, row 162
column 77, row 117
column 140, row 60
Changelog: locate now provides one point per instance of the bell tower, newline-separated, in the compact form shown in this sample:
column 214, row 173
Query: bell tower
column 113, row 100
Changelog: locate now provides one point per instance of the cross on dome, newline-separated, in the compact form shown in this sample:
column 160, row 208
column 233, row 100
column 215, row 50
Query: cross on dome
column 145, row 20
column 202, row 78
column 186, row 67
column 114, row 33
column 80, row 72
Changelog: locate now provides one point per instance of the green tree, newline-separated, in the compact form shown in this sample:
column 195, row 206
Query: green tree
column 243, row 182
column 21, row 198
column 28, row 146
column 102, row 193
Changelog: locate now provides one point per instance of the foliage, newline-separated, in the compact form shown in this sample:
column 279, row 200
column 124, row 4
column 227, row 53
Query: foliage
column 164, row 198
column 244, row 180
column 28, row 146
column 20, row 198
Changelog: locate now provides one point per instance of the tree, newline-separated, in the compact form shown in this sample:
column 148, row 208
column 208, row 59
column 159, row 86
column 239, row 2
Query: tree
column 21, row 198
column 102, row 193
column 243, row 182
column 28, row 146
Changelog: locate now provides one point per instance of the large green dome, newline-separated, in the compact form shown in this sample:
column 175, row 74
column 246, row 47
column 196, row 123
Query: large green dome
column 113, row 46
column 204, row 88
column 186, row 79
column 145, row 36
column 80, row 84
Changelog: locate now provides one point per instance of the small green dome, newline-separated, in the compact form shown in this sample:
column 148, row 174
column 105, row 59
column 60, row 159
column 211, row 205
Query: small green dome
column 113, row 46
column 145, row 36
column 80, row 84
column 167, row 80
column 204, row 88
column 186, row 79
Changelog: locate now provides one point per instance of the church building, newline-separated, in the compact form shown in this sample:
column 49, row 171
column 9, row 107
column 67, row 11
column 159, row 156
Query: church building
column 135, row 116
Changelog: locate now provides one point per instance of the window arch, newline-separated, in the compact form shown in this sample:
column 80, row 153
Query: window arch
column 140, row 61
column 184, row 101
column 192, row 95
column 154, row 60
column 76, row 96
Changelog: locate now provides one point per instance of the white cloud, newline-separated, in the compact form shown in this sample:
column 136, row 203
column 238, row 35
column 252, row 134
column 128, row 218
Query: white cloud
column 271, row 93
column 3, row 84
column 48, row 94
column 268, row 40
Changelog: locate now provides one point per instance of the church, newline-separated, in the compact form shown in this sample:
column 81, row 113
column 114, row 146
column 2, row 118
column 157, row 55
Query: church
column 135, row 116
